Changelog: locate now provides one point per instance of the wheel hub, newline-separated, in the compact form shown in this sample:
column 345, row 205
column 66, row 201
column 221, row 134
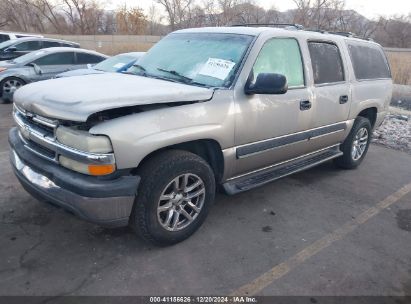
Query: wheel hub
column 181, row 202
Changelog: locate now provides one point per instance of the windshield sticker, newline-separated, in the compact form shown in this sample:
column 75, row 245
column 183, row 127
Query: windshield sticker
column 118, row 65
column 217, row 68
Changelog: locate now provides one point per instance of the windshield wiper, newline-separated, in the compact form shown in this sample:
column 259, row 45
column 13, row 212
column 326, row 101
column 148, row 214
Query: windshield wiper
column 139, row 66
column 175, row 73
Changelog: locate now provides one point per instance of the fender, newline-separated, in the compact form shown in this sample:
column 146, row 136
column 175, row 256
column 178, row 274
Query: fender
column 137, row 135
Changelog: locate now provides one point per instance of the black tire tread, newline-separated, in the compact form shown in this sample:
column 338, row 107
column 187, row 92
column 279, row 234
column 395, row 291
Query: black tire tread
column 345, row 161
column 150, row 171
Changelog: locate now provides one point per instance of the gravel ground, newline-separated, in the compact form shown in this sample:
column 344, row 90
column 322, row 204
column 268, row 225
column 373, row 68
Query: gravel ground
column 395, row 132
column 401, row 97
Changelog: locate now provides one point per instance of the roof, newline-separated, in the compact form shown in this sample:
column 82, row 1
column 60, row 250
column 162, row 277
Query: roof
column 257, row 30
column 66, row 49
column 42, row 39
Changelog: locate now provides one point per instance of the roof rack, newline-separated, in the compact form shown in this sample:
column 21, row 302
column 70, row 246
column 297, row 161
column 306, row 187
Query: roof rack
column 280, row 25
column 345, row 34
column 300, row 27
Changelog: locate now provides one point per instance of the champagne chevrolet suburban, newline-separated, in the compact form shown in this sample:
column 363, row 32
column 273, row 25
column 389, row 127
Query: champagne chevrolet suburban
column 230, row 107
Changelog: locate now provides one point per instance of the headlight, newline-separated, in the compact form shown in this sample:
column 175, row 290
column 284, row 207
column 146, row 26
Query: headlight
column 83, row 140
column 95, row 170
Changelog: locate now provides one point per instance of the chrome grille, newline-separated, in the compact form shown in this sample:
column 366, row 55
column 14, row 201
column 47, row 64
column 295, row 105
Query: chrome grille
column 39, row 136
column 41, row 126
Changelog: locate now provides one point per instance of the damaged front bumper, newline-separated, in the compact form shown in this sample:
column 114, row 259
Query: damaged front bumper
column 107, row 202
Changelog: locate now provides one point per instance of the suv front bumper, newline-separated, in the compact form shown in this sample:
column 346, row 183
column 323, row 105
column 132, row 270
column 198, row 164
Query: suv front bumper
column 101, row 201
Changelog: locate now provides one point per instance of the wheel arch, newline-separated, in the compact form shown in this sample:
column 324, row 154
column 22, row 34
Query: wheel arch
column 208, row 149
column 371, row 114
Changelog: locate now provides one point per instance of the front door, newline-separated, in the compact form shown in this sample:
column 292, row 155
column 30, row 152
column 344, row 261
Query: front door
column 269, row 127
column 53, row 64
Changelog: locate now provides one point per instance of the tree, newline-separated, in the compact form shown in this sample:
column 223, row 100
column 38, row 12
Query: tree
column 131, row 20
column 178, row 12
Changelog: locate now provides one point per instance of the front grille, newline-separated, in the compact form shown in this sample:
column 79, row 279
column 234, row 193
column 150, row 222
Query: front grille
column 42, row 126
column 48, row 130
column 50, row 154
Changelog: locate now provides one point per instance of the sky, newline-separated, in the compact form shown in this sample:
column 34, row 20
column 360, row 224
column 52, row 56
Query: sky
column 369, row 8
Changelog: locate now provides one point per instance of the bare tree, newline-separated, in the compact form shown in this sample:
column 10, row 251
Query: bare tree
column 177, row 11
column 130, row 21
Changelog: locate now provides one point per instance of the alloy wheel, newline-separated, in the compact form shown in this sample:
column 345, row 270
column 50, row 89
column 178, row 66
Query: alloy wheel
column 181, row 202
column 11, row 85
column 359, row 144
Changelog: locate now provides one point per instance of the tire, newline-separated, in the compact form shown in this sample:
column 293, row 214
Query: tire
column 351, row 159
column 4, row 85
column 151, row 218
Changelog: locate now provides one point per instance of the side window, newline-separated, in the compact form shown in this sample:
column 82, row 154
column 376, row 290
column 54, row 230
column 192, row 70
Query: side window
column 281, row 56
column 83, row 58
column 66, row 58
column 66, row 45
column 4, row 38
column 326, row 62
column 368, row 62
column 47, row 44
column 28, row 46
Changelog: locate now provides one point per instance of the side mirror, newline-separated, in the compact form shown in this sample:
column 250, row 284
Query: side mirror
column 267, row 83
column 11, row 49
column 36, row 68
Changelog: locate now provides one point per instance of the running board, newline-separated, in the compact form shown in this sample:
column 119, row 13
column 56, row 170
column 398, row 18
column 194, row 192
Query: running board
column 264, row 176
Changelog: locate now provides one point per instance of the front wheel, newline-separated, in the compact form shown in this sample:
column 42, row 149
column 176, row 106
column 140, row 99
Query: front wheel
column 8, row 86
column 176, row 191
column 356, row 145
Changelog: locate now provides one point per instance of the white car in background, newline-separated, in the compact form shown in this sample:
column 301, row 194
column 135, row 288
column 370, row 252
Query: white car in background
column 5, row 36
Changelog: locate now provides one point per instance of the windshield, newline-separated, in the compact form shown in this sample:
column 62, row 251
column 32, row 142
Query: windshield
column 29, row 57
column 115, row 63
column 6, row 44
column 206, row 59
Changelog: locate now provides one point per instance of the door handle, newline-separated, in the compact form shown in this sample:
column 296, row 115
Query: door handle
column 343, row 99
column 305, row 105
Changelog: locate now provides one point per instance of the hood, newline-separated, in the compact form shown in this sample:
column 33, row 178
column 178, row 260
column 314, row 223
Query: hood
column 5, row 64
column 79, row 72
column 76, row 98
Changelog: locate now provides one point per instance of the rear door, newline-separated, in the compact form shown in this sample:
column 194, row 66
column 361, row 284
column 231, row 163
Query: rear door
column 332, row 93
column 26, row 47
column 53, row 64
column 85, row 59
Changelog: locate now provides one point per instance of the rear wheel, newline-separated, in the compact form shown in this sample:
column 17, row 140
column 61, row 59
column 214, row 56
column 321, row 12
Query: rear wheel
column 176, row 191
column 356, row 145
column 8, row 86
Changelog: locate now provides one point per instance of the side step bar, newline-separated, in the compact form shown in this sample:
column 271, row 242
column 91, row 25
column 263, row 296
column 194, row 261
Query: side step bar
column 264, row 176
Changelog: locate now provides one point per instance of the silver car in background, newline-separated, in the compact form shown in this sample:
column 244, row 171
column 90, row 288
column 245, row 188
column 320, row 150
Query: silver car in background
column 115, row 64
column 41, row 65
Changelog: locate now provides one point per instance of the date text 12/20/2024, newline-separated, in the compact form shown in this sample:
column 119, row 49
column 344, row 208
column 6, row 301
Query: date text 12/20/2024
column 204, row 299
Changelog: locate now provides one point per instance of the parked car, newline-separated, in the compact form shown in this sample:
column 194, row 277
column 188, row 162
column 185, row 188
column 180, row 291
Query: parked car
column 18, row 47
column 115, row 64
column 236, row 107
column 41, row 65
column 5, row 36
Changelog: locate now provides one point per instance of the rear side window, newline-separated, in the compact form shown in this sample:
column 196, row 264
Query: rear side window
column 326, row 62
column 281, row 56
column 83, row 58
column 68, row 45
column 47, row 44
column 66, row 58
column 368, row 62
column 28, row 46
column 4, row 38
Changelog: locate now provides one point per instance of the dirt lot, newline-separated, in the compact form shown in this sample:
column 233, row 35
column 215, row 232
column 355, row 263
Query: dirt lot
column 320, row 232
